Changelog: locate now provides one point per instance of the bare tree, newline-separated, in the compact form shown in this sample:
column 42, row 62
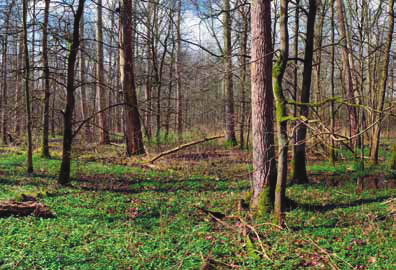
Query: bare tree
column 299, row 159
column 383, row 82
column 228, row 85
column 47, row 94
column 64, row 174
column 133, row 131
column 281, row 113
column 179, row 94
column 27, row 92
column 264, row 176
column 104, row 137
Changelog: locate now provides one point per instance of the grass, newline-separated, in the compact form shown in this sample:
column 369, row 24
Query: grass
column 123, row 216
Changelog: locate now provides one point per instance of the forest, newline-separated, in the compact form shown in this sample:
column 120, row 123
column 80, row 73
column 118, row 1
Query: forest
column 197, row 134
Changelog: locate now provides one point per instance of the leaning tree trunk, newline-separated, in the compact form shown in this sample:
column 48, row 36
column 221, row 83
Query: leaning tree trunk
column 45, row 147
column 27, row 92
column 228, row 86
column 264, row 175
column 281, row 114
column 383, row 83
column 299, row 159
column 133, row 130
column 64, row 174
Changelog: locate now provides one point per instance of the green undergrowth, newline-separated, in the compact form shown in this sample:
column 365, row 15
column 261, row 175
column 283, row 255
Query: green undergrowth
column 136, row 217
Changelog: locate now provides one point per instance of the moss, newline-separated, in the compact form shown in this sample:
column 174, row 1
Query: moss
column 250, row 249
column 265, row 203
column 393, row 158
column 248, row 197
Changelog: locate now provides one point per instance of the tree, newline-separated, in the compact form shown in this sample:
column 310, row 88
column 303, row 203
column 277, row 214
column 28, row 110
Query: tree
column 47, row 94
column 179, row 94
column 228, row 85
column 299, row 159
column 264, row 175
column 83, row 98
column 27, row 92
column 133, row 131
column 353, row 119
column 64, row 174
column 281, row 113
column 18, row 85
column 243, row 71
column 383, row 82
column 104, row 137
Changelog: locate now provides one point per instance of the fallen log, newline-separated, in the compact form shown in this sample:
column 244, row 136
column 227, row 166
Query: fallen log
column 180, row 147
column 27, row 208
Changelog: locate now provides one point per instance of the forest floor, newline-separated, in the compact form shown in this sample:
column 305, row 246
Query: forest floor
column 123, row 213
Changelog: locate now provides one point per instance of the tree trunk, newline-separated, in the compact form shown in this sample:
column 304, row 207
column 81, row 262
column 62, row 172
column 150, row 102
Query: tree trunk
column 179, row 94
column 27, row 92
column 133, row 130
column 383, row 84
column 243, row 68
column 64, row 174
column 295, row 70
column 228, row 85
column 18, row 86
column 83, row 99
column 45, row 147
column 332, row 57
column 347, row 71
column 5, row 109
column 148, row 110
column 299, row 159
column 104, row 137
column 4, row 92
column 264, row 175
column 281, row 114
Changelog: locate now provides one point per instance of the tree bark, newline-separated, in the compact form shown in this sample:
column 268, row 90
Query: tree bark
column 264, row 175
column 64, row 174
column 299, row 159
column 133, row 130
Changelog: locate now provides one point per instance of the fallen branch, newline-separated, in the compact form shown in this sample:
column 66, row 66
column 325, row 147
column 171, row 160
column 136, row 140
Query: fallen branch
column 27, row 208
column 180, row 147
